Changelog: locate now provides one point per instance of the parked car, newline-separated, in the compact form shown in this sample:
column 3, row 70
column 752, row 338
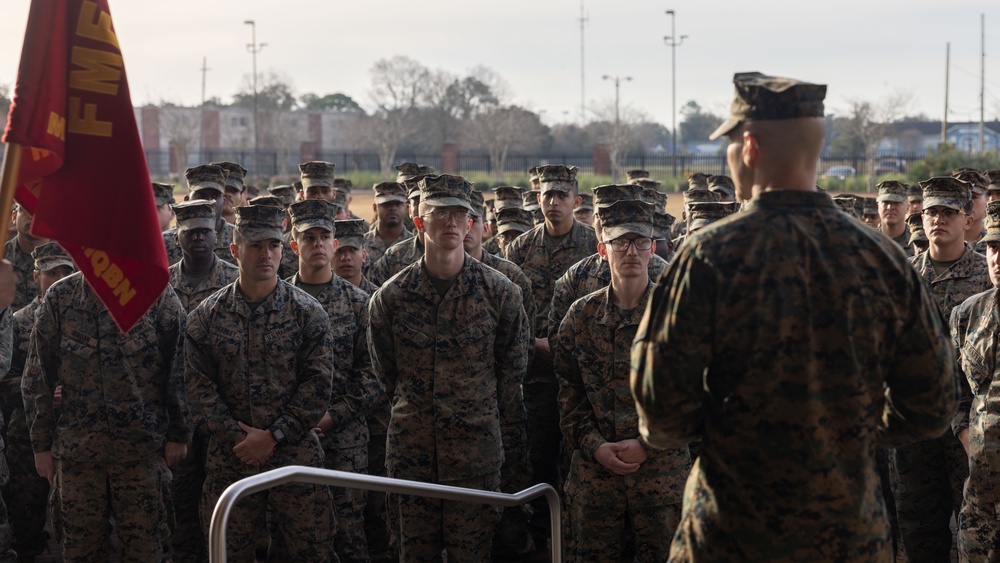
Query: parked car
column 839, row 171
column 889, row 166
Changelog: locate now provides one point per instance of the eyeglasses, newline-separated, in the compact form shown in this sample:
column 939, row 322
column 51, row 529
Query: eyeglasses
column 446, row 215
column 622, row 244
column 944, row 213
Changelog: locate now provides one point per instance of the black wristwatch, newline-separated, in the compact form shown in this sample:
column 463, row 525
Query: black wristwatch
column 277, row 434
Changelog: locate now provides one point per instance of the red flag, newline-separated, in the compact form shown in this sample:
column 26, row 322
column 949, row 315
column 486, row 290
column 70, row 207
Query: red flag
column 83, row 173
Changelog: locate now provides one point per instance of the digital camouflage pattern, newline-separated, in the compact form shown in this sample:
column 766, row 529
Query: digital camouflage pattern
column 765, row 98
column 395, row 259
column 929, row 475
column 23, row 263
column 452, row 368
column 376, row 247
column 223, row 238
column 975, row 325
column 592, row 356
column 192, row 290
column 514, row 274
column 789, row 407
column 583, row 278
column 270, row 367
column 7, row 552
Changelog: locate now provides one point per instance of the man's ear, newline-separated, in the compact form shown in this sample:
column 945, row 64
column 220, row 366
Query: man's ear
column 294, row 245
column 418, row 222
column 750, row 149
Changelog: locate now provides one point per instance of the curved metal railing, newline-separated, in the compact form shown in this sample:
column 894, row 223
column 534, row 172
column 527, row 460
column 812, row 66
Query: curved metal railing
column 317, row 476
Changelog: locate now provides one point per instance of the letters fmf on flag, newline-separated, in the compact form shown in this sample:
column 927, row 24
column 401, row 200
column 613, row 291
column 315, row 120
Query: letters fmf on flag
column 82, row 172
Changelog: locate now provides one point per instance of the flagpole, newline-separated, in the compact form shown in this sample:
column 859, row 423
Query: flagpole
column 8, row 185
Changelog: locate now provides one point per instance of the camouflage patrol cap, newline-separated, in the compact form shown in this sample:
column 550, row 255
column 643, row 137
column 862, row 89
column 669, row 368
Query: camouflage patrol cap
column 50, row 255
column 557, row 177
column 992, row 222
column 626, row 217
column 586, row 203
column 647, row 183
column 316, row 173
column 285, row 193
column 914, row 193
column 978, row 182
column 297, row 186
column 662, row 223
column 236, row 174
column 891, row 190
column 194, row 214
column 446, row 190
column 350, row 233
column 697, row 181
column 206, row 177
column 312, row 213
column 533, row 174
column 846, row 203
column 491, row 215
column 271, row 200
column 339, row 199
column 513, row 219
column 696, row 195
column 707, row 212
column 994, row 177
column 609, row 194
column 946, row 191
column 659, row 197
column 343, row 184
column 767, row 98
column 722, row 185
column 478, row 203
column 258, row 223
column 163, row 194
column 632, row 176
column 508, row 196
column 869, row 206
column 915, row 221
column 530, row 199
column 407, row 171
column 389, row 192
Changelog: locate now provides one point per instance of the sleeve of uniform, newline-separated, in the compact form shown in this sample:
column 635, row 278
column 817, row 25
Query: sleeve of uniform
column 170, row 332
column 41, row 375
column 315, row 377
column 201, row 383
column 378, row 273
column 576, row 414
column 511, row 358
column 562, row 298
column 671, row 352
column 959, row 326
column 357, row 397
column 381, row 343
column 921, row 388
column 6, row 339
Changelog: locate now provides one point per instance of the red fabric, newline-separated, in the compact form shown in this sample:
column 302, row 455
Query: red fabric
column 90, row 192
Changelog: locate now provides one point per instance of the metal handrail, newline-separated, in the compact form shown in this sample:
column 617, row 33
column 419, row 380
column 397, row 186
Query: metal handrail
column 317, row 476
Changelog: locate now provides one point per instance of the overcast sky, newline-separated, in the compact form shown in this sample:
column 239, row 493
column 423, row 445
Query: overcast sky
column 861, row 49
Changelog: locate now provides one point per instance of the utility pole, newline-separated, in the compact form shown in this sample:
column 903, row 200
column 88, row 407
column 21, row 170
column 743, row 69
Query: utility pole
column 673, row 42
column 204, row 71
column 618, row 81
column 583, row 81
column 982, row 82
column 255, row 48
column 201, row 111
column 947, row 71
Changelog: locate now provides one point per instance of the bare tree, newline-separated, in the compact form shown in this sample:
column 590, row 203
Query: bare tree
column 398, row 86
column 869, row 121
column 182, row 129
column 616, row 128
column 502, row 129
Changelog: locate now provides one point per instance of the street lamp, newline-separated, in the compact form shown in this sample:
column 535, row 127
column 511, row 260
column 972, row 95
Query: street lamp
column 672, row 42
column 617, row 80
column 255, row 48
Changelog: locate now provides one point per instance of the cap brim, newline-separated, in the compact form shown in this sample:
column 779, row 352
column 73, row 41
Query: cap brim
column 507, row 203
column 446, row 202
column 192, row 224
column 306, row 184
column 53, row 263
column 302, row 226
column 257, row 234
column 949, row 202
column 922, row 236
column 890, row 197
column 641, row 229
column 354, row 242
column 207, row 186
column 559, row 186
column 725, row 128
column 519, row 227
column 379, row 199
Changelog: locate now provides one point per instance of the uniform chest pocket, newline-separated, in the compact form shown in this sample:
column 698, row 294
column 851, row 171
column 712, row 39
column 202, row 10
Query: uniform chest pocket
column 78, row 344
column 475, row 338
column 974, row 367
column 141, row 339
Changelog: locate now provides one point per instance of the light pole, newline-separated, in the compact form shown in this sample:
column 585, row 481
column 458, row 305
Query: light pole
column 255, row 48
column 673, row 42
column 618, row 81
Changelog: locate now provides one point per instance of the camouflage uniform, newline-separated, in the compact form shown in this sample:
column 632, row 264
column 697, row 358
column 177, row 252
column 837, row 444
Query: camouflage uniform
column 544, row 263
column 595, row 406
column 289, row 265
column 376, row 247
column 26, row 289
column 452, row 368
column 122, row 400
column 223, row 238
column 269, row 367
column 7, row 552
column 367, row 225
column 583, row 278
column 789, row 407
column 27, row 493
column 192, row 291
column 492, row 245
column 346, row 444
column 903, row 240
column 397, row 257
column 367, row 286
column 929, row 475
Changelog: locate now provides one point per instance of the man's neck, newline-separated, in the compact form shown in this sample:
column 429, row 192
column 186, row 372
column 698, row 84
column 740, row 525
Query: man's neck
column 476, row 252
column 229, row 217
column 948, row 253
column 256, row 290
column 25, row 245
column 356, row 279
column 197, row 264
column 443, row 263
column 972, row 235
column 315, row 274
column 389, row 234
column 219, row 223
column 560, row 229
column 892, row 231
column 627, row 292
